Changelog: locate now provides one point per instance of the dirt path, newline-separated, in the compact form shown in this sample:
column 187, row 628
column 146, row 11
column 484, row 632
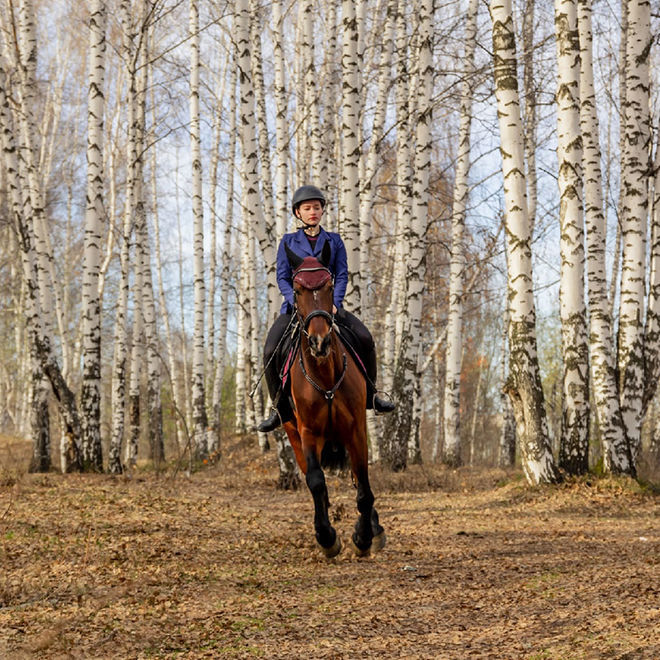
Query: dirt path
column 222, row 565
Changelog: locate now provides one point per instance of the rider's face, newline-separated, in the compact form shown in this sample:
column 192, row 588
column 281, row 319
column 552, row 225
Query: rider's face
column 310, row 212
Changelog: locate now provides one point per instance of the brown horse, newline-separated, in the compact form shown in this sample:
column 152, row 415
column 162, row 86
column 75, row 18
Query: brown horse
column 329, row 401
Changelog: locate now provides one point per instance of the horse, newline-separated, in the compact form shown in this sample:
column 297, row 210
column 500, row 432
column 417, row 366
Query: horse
column 328, row 391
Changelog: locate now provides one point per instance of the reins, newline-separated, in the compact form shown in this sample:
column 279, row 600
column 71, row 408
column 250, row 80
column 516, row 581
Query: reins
column 329, row 395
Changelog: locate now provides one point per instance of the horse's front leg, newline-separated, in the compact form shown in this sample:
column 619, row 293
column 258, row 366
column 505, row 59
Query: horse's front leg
column 368, row 534
column 326, row 536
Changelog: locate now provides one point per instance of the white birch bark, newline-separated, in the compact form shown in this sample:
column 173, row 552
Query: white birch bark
column 281, row 133
column 413, row 222
column 243, row 330
column 395, row 312
column 635, row 175
column 137, row 361
column 37, row 392
column 330, row 82
column 530, row 120
column 367, row 193
column 506, row 455
column 214, row 443
column 524, row 383
column 615, row 448
column 120, row 355
column 256, row 407
column 652, row 327
column 213, row 230
column 90, row 398
column 451, row 416
column 310, row 158
column 262, row 122
column 184, row 384
column 622, row 71
column 174, row 376
column 40, row 337
column 574, row 443
column 350, row 183
column 143, row 311
column 49, row 291
column 200, row 421
column 264, row 227
column 416, row 262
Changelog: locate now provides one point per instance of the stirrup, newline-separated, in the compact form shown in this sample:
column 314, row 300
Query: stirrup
column 270, row 423
column 383, row 406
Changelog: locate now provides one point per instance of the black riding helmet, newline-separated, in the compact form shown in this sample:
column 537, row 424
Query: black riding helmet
column 305, row 194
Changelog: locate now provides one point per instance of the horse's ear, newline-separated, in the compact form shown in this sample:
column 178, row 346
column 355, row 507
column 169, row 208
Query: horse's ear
column 293, row 258
column 326, row 253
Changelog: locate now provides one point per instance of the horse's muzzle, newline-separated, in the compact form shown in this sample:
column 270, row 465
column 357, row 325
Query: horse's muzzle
column 319, row 346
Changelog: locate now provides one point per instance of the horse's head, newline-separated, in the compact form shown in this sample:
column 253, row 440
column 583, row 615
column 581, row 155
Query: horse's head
column 312, row 290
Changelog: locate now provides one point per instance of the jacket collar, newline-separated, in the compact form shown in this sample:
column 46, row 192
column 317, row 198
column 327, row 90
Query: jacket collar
column 303, row 243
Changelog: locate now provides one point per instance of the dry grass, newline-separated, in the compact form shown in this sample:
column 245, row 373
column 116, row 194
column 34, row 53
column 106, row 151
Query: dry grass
column 222, row 565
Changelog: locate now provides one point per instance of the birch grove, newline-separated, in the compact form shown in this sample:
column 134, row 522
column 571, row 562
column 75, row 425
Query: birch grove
column 140, row 232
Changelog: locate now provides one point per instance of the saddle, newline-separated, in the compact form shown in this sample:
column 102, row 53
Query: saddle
column 290, row 344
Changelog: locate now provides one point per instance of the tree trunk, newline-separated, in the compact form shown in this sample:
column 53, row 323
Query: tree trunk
column 524, row 382
column 200, row 422
column 574, row 443
column 452, row 417
column 635, row 168
column 616, row 455
column 90, row 397
column 350, row 181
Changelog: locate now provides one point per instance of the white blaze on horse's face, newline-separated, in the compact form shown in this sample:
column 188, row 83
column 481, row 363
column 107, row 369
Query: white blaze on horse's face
column 319, row 328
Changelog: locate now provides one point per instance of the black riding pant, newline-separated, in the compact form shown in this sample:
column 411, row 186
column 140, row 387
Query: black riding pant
column 365, row 347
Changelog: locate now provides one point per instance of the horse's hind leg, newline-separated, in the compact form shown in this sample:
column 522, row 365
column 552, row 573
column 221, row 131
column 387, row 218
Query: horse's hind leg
column 378, row 542
column 364, row 532
column 325, row 534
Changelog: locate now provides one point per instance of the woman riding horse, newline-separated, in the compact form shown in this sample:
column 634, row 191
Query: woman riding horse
column 329, row 397
column 308, row 206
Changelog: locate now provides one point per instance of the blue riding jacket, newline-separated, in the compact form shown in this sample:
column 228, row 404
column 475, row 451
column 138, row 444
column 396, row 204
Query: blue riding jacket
column 299, row 243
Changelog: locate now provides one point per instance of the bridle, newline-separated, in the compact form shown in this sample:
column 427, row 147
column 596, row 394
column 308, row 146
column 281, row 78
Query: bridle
column 328, row 316
column 304, row 326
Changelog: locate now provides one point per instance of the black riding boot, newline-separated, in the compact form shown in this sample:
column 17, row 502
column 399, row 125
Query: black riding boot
column 281, row 408
column 373, row 400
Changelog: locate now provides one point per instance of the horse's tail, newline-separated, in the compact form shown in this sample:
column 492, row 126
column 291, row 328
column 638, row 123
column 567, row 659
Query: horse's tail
column 334, row 456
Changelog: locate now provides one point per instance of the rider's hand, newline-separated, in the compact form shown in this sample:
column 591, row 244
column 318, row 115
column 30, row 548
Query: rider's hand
column 334, row 309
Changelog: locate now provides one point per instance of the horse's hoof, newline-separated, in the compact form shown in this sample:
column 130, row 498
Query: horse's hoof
column 334, row 549
column 358, row 551
column 378, row 542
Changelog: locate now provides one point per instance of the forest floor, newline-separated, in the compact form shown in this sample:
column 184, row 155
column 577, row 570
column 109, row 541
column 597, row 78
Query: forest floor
column 220, row 564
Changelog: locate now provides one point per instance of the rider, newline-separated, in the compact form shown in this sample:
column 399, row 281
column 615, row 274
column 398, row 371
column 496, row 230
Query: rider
column 308, row 205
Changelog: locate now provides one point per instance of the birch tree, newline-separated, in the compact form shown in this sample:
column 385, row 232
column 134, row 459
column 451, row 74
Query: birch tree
column 574, row 446
column 420, row 206
column 264, row 227
column 634, row 222
column 652, row 327
column 119, row 366
column 350, row 183
column 457, row 265
column 281, row 135
column 200, row 421
column 615, row 447
column 90, row 397
column 524, row 382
